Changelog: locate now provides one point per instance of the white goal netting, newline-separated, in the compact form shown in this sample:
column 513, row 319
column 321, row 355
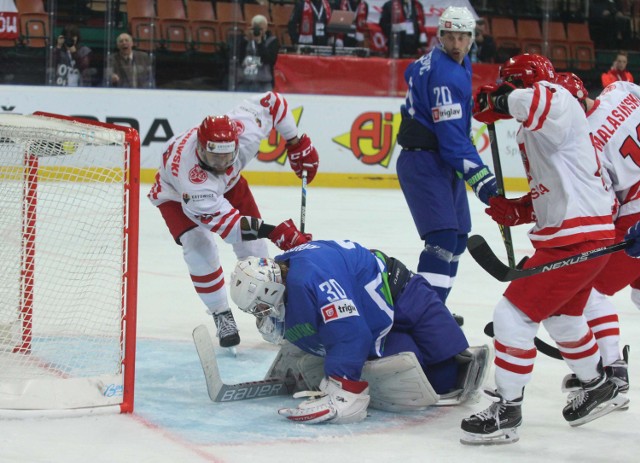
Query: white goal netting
column 65, row 227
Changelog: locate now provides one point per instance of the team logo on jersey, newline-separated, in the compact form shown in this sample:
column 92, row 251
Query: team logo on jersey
column 197, row 175
column 339, row 309
column 446, row 112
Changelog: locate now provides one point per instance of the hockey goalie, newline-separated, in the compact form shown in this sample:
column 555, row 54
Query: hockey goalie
column 362, row 331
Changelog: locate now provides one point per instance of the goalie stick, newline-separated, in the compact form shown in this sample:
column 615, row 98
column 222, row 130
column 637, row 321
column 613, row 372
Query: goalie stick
column 221, row 392
column 486, row 258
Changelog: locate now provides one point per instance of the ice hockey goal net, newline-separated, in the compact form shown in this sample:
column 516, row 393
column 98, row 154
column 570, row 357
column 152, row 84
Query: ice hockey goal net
column 69, row 192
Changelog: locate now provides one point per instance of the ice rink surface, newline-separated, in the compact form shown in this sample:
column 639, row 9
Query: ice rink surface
column 174, row 420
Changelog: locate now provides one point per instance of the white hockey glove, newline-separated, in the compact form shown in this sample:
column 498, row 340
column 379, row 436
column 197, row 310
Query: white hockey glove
column 338, row 401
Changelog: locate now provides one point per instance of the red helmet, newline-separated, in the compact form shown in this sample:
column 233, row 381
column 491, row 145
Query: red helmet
column 525, row 70
column 572, row 82
column 218, row 143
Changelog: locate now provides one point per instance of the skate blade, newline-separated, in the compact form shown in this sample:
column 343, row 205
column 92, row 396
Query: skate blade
column 232, row 350
column 501, row 437
column 603, row 409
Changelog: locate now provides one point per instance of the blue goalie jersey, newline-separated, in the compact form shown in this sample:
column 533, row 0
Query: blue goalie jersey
column 335, row 304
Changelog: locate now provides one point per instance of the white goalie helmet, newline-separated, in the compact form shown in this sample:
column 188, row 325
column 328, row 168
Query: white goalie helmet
column 457, row 19
column 256, row 287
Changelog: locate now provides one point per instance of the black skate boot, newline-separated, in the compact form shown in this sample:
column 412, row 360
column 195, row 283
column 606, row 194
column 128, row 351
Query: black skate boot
column 496, row 425
column 592, row 400
column 618, row 371
column 227, row 329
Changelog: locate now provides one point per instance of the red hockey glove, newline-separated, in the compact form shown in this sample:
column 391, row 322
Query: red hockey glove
column 303, row 156
column 510, row 212
column 287, row 236
column 485, row 109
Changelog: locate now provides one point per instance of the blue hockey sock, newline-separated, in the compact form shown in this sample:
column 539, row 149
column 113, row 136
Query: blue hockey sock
column 435, row 260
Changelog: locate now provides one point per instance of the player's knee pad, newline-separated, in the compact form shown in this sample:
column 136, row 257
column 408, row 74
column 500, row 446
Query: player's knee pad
column 255, row 248
column 199, row 250
column 566, row 328
column 512, row 327
column 441, row 244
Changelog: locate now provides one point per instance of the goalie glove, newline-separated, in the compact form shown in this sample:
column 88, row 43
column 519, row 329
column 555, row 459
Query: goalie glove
column 491, row 103
column 287, row 236
column 338, row 401
column 303, row 156
column 511, row 212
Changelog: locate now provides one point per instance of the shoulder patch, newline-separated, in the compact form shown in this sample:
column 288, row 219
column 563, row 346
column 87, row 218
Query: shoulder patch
column 339, row 309
column 446, row 112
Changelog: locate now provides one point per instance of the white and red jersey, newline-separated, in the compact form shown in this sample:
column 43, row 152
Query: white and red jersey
column 570, row 200
column 614, row 120
column 201, row 193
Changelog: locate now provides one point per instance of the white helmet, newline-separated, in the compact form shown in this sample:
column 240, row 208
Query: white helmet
column 256, row 287
column 457, row 19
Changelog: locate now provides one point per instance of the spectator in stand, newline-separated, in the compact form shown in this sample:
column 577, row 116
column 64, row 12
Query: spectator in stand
column 258, row 54
column 402, row 22
column 618, row 70
column 308, row 22
column 609, row 27
column 484, row 48
column 361, row 9
column 130, row 68
column 72, row 61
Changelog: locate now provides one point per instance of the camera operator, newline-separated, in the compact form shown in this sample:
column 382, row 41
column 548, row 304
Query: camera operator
column 72, row 61
column 257, row 57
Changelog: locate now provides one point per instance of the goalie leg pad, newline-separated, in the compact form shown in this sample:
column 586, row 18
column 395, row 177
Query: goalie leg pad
column 397, row 383
column 474, row 366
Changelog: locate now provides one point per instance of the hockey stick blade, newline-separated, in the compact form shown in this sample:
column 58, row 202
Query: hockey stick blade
column 221, row 392
column 486, row 258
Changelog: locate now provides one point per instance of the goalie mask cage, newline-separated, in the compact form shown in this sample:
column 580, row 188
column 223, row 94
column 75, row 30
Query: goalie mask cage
column 68, row 253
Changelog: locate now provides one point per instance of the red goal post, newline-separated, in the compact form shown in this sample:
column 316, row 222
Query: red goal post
column 68, row 250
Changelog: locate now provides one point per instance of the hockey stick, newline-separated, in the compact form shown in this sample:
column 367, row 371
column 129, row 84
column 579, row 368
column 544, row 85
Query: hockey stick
column 497, row 168
column 221, row 392
column 303, row 201
column 486, row 258
column 542, row 346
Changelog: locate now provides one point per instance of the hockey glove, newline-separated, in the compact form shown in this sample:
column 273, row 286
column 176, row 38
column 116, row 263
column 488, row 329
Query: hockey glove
column 339, row 401
column 303, row 156
column 483, row 183
column 491, row 103
column 287, row 236
column 633, row 234
column 510, row 212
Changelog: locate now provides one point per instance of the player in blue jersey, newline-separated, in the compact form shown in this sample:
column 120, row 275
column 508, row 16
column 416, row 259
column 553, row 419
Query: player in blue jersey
column 343, row 302
column 437, row 154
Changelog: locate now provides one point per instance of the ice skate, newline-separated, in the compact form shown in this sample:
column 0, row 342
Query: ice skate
column 593, row 400
column 496, row 425
column 618, row 371
column 227, row 330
